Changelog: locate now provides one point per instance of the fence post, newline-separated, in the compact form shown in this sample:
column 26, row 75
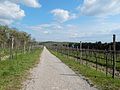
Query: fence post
column 61, row 50
column 110, row 54
column 11, row 42
column 106, row 53
column 77, row 53
column 87, row 53
column 81, row 51
column 68, row 50
column 95, row 52
column 114, row 55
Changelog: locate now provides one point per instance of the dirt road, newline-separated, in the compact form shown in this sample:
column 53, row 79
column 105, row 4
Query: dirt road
column 52, row 74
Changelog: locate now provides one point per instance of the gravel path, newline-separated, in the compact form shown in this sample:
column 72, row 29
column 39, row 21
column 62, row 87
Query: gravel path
column 52, row 74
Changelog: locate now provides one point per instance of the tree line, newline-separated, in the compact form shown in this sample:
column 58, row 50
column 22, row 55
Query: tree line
column 85, row 45
column 97, row 45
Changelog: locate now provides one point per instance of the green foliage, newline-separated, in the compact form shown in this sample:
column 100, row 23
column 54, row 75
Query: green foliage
column 13, row 40
column 19, row 36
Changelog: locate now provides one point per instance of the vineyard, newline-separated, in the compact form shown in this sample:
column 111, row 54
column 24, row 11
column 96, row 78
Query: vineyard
column 14, row 42
column 107, row 60
column 18, row 53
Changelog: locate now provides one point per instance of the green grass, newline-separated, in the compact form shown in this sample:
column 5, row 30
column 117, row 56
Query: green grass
column 98, row 78
column 13, row 72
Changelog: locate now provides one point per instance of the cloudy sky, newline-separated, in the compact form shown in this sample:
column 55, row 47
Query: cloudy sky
column 63, row 20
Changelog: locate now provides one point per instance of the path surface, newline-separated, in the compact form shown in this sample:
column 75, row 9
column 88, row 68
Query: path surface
column 52, row 74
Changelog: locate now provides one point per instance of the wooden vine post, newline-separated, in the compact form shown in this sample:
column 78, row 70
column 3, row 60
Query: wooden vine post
column 81, row 51
column 11, row 47
column 106, row 58
column 77, row 53
column 24, row 47
column 68, row 50
column 114, row 55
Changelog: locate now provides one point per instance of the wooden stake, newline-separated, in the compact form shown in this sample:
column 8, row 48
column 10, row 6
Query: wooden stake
column 80, row 50
column 114, row 55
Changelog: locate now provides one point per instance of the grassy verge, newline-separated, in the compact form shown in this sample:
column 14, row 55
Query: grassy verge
column 13, row 72
column 98, row 78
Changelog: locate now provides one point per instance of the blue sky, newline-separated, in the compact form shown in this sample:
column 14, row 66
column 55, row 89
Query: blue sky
column 63, row 20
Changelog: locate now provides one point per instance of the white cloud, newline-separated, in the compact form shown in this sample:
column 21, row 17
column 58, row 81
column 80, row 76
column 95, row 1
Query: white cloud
column 31, row 3
column 76, row 32
column 5, row 21
column 100, row 7
column 10, row 10
column 62, row 15
column 42, row 27
column 100, row 31
column 74, row 35
column 45, row 32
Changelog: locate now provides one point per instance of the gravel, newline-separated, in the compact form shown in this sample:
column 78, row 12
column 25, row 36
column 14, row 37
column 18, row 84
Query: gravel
column 52, row 74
